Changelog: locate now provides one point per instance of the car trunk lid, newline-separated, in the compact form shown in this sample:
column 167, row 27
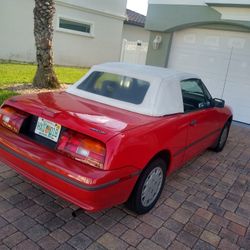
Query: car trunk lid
column 85, row 116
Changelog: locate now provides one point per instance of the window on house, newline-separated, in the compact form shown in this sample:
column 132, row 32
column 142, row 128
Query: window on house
column 74, row 26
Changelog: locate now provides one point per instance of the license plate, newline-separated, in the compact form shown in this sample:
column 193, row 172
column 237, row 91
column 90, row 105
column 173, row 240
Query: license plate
column 48, row 129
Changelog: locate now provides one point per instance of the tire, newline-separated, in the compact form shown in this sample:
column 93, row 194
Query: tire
column 148, row 187
column 221, row 142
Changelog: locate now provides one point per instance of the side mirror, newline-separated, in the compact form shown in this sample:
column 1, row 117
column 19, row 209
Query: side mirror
column 218, row 103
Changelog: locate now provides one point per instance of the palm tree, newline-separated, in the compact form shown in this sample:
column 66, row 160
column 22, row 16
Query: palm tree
column 43, row 31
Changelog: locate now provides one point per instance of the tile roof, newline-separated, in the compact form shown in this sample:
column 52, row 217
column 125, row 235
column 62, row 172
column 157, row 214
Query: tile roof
column 135, row 18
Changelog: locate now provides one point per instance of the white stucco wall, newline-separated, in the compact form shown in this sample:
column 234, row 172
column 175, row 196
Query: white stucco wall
column 16, row 29
column 198, row 2
column 17, row 40
column 135, row 33
column 232, row 13
column 105, row 45
column 116, row 7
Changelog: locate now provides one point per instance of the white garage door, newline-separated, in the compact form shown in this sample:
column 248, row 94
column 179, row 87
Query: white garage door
column 222, row 59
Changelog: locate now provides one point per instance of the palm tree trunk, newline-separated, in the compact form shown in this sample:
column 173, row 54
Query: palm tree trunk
column 43, row 31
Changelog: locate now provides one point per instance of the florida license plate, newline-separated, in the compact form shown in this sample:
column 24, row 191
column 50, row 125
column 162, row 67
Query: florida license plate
column 48, row 129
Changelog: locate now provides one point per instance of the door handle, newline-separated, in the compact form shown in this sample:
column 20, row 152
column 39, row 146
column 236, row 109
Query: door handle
column 193, row 123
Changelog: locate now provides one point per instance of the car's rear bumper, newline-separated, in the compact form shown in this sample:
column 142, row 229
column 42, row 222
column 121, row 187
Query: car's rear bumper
column 88, row 187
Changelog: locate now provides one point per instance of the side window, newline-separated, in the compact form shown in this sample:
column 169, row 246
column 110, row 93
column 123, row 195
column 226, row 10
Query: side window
column 193, row 95
column 206, row 92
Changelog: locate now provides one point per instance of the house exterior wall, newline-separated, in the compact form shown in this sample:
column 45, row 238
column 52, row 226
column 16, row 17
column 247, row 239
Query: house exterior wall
column 17, row 39
column 210, row 39
column 135, row 33
column 200, row 2
column 160, row 56
column 16, row 29
column 115, row 7
column 161, row 19
column 104, row 45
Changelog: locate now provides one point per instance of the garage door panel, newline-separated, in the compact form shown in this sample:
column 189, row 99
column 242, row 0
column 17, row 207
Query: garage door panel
column 214, row 86
column 201, row 60
column 242, row 113
column 241, row 80
column 240, row 66
column 237, row 91
column 221, row 58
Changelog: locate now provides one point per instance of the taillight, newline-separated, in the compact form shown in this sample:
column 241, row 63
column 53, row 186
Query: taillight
column 12, row 118
column 82, row 148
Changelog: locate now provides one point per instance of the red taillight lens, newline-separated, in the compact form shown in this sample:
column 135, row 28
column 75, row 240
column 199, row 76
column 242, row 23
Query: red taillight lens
column 82, row 148
column 12, row 118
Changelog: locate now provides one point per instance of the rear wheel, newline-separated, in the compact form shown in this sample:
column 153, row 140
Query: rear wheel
column 148, row 187
column 220, row 144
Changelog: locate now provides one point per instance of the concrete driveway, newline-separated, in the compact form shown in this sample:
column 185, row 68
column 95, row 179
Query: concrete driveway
column 205, row 205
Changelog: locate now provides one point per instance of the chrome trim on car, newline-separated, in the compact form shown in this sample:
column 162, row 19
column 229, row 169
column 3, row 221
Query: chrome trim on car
column 98, row 131
column 64, row 178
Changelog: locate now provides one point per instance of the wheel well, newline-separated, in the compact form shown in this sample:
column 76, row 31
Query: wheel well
column 164, row 155
column 230, row 119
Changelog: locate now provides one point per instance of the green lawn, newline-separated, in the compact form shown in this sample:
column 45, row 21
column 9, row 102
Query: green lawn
column 23, row 73
column 13, row 73
column 4, row 94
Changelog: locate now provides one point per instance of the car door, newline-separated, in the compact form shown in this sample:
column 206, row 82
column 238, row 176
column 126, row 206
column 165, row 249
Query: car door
column 201, row 117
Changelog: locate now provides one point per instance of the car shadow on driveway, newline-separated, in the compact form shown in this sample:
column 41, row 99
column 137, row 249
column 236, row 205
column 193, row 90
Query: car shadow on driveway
column 204, row 205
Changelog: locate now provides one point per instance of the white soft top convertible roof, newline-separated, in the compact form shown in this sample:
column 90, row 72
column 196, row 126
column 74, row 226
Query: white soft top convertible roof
column 162, row 98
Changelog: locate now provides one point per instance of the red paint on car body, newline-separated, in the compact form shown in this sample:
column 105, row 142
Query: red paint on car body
column 132, row 140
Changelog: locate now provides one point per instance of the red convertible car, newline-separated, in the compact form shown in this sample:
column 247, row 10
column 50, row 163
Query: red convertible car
column 114, row 135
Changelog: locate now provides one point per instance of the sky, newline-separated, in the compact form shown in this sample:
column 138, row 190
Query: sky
column 139, row 6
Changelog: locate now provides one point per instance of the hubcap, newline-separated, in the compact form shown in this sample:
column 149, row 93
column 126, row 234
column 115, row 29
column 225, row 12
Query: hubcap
column 224, row 136
column 152, row 186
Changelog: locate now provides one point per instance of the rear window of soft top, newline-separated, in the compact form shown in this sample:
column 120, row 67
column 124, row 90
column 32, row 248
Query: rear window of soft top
column 115, row 86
